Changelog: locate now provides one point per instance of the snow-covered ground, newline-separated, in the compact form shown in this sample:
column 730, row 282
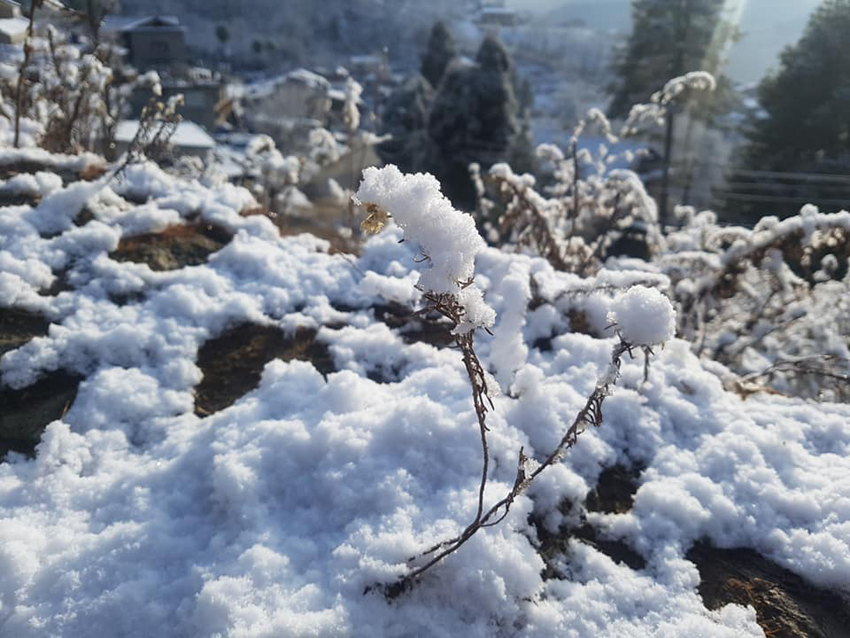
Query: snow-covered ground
column 273, row 516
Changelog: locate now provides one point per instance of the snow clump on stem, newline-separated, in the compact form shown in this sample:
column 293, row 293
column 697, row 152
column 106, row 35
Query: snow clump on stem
column 643, row 316
column 446, row 237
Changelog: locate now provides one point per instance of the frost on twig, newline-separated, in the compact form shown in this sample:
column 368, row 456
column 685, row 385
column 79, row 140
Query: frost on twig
column 750, row 298
column 448, row 242
column 157, row 124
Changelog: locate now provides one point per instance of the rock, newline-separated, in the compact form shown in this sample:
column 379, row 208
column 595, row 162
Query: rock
column 18, row 326
column 786, row 605
column 173, row 248
column 26, row 412
column 233, row 362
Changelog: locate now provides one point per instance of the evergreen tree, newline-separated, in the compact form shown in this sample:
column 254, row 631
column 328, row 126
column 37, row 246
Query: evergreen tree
column 804, row 123
column 806, row 104
column 669, row 38
column 440, row 51
column 406, row 119
column 475, row 119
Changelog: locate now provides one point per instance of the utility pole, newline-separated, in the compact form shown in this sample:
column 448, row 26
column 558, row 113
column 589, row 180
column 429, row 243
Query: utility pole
column 665, row 178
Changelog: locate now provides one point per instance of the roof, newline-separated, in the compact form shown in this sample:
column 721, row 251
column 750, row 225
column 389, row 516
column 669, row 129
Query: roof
column 308, row 77
column 299, row 76
column 187, row 135
column 120, row 24
column 13, row 26
column 367, row 59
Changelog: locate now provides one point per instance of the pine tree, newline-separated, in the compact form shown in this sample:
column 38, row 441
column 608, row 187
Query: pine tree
column 803, row 126
column 440, row 51
column 475, row 118
column 669, row 38
column 806, row 120
column 406, row 120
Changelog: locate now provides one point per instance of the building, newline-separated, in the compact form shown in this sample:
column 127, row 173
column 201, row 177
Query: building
column 298, row 94
column 13, row 27
column 287, row 107
column 201, row 90
column 9, row 9
column 188, row 138
column 152, row 42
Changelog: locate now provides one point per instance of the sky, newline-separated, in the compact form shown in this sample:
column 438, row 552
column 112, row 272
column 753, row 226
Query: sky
column 768, row 26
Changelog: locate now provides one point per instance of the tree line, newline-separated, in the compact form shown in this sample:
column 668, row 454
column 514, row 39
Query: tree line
column 457, row 111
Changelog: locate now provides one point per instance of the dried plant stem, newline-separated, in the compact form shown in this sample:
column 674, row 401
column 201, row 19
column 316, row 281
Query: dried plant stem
column 575, row 190
column 608, row 289
column 589, row 414
column 59, row 135
column 539, row 227
column 596, row 252
column 806, row 365
column 157, row 124
column 19, row 89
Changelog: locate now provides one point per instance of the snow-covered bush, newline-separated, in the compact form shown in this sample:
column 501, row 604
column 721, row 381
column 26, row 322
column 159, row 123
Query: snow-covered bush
column 66, row 100
column 745, row 297
column 771, row 302
column 273, row 176
column 591, row 201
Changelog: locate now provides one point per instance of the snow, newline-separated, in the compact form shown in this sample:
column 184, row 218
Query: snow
column 309, row 78
column 268, row 87
column 695, row 80
column 351, row 112
column 14, row 28
column 446, row 237
column 272, row 516
column 643, row 316
column 187, row 134
column 55, row 161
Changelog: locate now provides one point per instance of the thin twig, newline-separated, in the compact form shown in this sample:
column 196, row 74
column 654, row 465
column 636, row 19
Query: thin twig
column 19, row 90
column 589, row 414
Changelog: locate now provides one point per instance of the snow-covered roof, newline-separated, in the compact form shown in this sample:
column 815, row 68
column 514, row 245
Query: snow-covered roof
column 308, row 77
column 13, row 27
column 300, row 76
column 119, row 24
column 365, row 60
column 187, row 135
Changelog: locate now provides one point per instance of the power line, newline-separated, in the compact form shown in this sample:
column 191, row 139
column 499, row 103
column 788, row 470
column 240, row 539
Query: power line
column 734, row 186
column 746, row 197
column 744, row 172
column 811, row 177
